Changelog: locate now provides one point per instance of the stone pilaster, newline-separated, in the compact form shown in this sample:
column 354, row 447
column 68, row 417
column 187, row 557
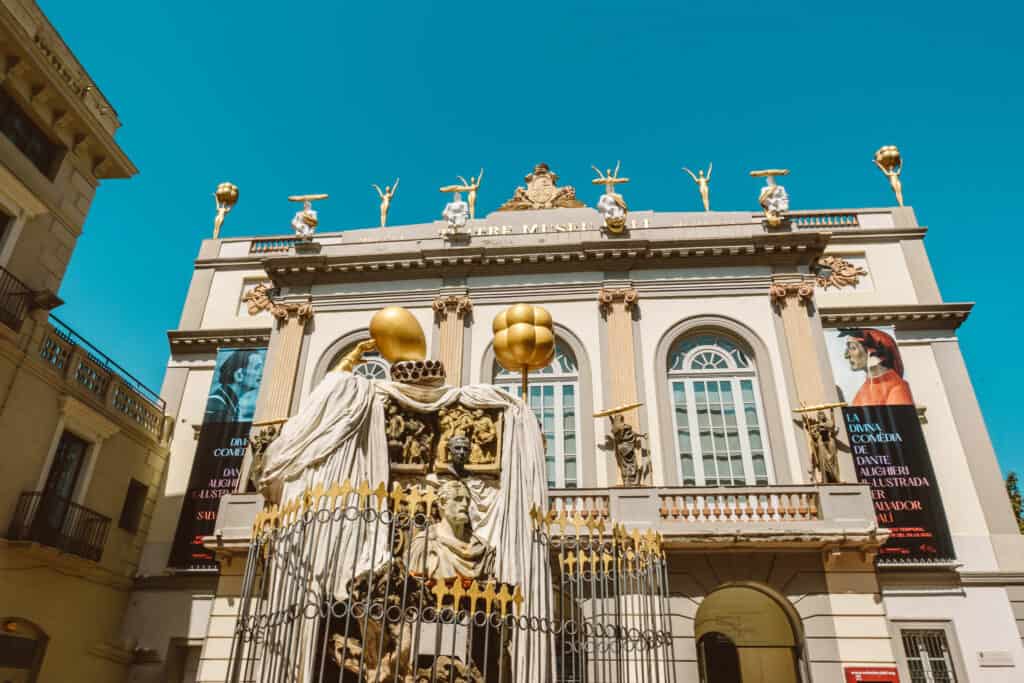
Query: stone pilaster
column 617, row 306
column 279, row 372
column 451, row 311
column 278, row 383
column 792, row 296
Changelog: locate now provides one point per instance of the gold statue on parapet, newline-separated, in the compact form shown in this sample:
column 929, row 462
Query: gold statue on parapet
column 226, row 197
column 470, row 187
column 889, row 162
column 609, row 179
column 385, row 200
column 611, row 205
column 703, row 184
column 542, row 192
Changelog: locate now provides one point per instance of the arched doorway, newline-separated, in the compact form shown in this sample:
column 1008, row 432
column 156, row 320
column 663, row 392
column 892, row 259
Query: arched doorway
column 747, row 634
column 22, row 647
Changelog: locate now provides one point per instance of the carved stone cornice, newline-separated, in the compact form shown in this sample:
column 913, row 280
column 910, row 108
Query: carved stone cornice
column 204, row 341
column 948, row 316
column 835, row 271
column 629, row 296
column 782, row 292
column 460, row 303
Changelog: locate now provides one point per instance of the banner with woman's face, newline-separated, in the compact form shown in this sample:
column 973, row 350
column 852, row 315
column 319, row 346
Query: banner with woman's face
column 887, row 443
column 223, row 438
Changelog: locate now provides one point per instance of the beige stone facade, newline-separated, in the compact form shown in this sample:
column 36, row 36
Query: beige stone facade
column 621, row 304
column 83, row 444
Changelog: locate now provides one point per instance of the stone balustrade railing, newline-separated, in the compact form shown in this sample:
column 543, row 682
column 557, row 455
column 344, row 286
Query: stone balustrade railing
column 763, row 504
column 793, row 514
column 586, row 505
column 90, row 373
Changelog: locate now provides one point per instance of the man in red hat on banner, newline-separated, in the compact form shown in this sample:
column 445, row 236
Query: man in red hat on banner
column 876, row 353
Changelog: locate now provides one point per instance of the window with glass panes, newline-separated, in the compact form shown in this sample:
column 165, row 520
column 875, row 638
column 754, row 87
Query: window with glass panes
column 928, row 657
column 373, row 365
column 554, row 396
column 717, row 415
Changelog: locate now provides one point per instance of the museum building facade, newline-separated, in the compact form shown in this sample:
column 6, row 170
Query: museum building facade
column 750, row 345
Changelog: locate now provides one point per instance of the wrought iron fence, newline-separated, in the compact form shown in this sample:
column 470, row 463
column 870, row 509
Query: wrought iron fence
column 14, row 299
column 59, row 523
column 338, row 586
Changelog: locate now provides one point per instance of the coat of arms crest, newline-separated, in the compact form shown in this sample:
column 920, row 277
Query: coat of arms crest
column 542, row 192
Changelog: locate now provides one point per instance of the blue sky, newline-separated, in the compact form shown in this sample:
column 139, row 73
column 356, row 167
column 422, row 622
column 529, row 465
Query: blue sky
column 286, row 98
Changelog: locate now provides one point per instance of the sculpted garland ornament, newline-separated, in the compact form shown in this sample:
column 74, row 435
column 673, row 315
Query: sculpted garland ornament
column 835, row 271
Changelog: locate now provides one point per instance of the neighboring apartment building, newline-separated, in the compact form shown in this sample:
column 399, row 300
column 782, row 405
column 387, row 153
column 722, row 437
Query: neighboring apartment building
column 722, row 325
column 82, row 446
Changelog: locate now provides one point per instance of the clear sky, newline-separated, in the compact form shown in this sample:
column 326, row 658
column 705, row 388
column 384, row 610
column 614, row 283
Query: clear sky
column 330, row 96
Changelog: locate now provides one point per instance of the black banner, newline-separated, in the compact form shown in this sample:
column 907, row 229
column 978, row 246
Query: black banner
column 219, row 453
column 890, row 455
column 215, row 472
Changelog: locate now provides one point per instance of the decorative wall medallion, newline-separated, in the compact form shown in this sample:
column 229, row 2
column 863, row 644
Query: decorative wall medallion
column 259, row 298
column 835, row 271
column 542, row 192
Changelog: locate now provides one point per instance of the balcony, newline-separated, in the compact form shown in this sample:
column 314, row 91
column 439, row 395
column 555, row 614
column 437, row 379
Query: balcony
column 14, row 300
column 799, row 516
column 59, row 523
column 92, row 374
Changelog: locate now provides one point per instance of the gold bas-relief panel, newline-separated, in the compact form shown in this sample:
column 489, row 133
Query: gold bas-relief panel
column 418, row 442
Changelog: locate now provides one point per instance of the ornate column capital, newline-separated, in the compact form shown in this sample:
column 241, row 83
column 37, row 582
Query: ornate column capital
column 302, row 311
column 609, row 295
column 781, row 292
column 460, row 303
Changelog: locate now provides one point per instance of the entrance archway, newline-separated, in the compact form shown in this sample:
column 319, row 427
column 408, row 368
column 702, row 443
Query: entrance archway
column 749, row 624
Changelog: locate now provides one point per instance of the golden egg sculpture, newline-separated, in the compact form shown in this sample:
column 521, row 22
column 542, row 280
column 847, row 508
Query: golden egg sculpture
column 524, row 338
column 398, row 334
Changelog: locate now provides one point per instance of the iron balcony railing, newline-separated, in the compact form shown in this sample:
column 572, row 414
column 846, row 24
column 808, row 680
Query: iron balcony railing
column 14, row 299
column 59, row 523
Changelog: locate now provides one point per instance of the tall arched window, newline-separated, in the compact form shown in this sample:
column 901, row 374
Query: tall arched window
column 718, row 417
column 554, row 392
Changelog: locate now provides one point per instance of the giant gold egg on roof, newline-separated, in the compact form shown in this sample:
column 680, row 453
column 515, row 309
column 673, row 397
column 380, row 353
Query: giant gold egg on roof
column 398, row 334
column 524, row 337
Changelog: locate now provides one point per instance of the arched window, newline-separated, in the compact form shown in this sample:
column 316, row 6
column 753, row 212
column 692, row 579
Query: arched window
column 374, row 365
column 554, row 391
column 717, row 413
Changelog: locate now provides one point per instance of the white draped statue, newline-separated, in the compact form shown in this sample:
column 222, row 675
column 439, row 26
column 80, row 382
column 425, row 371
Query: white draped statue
column 339, row 434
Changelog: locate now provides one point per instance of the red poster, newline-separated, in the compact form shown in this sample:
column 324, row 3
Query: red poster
column 871, row 674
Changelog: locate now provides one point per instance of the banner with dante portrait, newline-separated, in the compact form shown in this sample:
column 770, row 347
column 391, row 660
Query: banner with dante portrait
column 887, row 443
column 223, row 437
